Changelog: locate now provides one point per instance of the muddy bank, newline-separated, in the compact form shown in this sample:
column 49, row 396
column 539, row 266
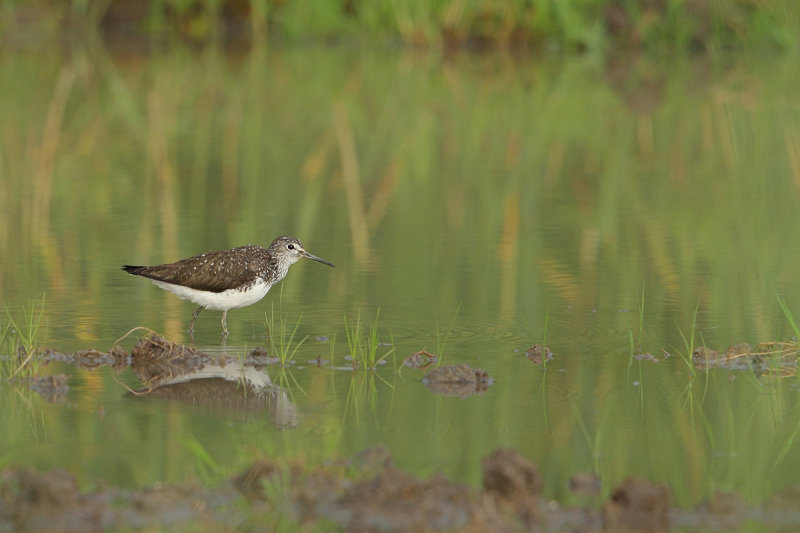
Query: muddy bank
column 363, row 493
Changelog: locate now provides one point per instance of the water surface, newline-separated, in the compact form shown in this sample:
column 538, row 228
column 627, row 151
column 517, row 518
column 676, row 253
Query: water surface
column 473, row 206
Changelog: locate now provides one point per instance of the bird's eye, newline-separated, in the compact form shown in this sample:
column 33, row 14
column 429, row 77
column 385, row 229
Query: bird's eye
column 290, row 246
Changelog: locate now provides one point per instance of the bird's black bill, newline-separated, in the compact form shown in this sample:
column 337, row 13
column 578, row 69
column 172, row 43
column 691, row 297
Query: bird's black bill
column 315, row 258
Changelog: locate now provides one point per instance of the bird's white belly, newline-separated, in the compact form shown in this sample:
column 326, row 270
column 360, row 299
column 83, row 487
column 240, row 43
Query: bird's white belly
column 219, row 301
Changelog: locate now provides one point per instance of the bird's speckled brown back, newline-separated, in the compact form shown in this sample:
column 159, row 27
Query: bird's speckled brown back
column 215, row 271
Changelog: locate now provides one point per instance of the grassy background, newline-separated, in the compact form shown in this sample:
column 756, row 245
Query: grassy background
column 591, row 25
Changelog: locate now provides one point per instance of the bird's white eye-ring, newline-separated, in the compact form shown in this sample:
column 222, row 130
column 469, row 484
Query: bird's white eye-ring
column 290, row 246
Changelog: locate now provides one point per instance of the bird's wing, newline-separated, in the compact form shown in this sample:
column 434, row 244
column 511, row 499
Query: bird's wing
column 214, row 271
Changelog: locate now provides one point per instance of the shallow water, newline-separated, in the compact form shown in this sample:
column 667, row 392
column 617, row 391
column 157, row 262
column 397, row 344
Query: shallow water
column 473, row 207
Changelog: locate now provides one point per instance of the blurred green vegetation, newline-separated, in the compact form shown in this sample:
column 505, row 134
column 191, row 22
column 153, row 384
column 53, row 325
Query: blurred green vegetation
column 594, row 25
column 513, row 195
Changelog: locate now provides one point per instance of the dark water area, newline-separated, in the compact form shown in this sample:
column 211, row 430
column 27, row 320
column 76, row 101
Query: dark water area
column 474, row 206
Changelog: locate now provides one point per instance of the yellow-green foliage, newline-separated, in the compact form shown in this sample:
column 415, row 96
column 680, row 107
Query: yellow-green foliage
column 572, row 24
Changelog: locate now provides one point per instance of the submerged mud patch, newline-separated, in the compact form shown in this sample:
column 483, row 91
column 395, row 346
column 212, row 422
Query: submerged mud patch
column 774, row 358
column 457, row 380
column 52, row 388
column 539, row 354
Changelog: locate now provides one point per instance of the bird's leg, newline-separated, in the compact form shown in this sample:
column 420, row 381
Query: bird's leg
column 225, row 323
column 194, row 317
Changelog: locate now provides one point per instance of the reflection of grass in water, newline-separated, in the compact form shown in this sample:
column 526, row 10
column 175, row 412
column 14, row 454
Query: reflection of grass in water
column 544, row 367
column 24, row 413
column 284, row 345
column 787, row 313
column 544, row 339
column 686, row 357
column 634, row 348
column 363, row 389
column 441, row 340
column 7, row 362
column 19, row 341
column 363, row 342
column 18, row 348
column 689, row 342
column 594, row 442
column 286, row 381
column 281, row 336
column 792, row 439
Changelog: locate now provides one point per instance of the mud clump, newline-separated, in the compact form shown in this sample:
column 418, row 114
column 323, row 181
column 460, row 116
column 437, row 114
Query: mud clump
column 251, row 482
column 774, row 358
column 93, row 359
column 366, row 493
column 258, row 351
column 637, row 505
column 259, row 356
column 153, row 358
column 376, row 497
column 539, row 354
column 156, row 348
column 459, row 381
column 90, row 359
column 585, row 484
column 50, row 501
column 726, row 511
column 510, row 476
column 645, row 356
column 704, row 357
column 421, row 359
column 511, row 480
column 397, row 501
column 371, row 461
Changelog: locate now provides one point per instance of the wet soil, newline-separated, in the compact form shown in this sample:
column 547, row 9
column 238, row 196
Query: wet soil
column 363, row 493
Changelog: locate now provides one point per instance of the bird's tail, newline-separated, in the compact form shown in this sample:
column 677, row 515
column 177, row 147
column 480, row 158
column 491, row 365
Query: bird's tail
column 131, row 269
